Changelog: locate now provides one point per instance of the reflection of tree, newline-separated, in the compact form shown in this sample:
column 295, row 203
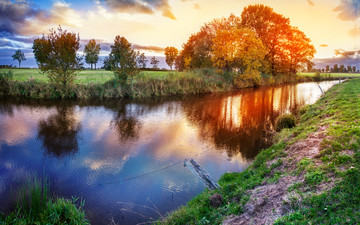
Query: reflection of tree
column 59, row 132
column 240, row 123
column 126, row 123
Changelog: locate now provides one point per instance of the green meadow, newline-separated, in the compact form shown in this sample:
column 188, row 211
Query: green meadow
column 83, row 77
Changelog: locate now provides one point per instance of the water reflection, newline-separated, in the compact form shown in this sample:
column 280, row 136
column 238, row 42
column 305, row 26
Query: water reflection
column 240, row 123
column 126, row 123
column 110, row 141
column 59, row 131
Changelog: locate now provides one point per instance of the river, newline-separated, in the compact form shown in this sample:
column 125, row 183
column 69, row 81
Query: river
column 125, row 157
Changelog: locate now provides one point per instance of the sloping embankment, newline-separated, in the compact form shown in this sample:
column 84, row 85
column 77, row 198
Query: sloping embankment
column 310, row 175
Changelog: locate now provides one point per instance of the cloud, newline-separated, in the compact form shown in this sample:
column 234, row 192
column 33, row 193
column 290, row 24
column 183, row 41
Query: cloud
column 348, row 9
column 13, row 15
column 347, row 54
column 141, row 6
column 311, row 3
column 343, row 57
column 355, row 32
column 148, row 48
column 105, row 46
column 324, row 45
column 22, row 18
column 197, row 7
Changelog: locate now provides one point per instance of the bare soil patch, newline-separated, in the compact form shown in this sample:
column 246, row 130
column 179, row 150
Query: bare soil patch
column 269, row 201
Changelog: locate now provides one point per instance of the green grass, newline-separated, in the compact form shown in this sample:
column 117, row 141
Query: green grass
column 35, row 206
column 312, row 74
column 84, row 77
column 339, row 110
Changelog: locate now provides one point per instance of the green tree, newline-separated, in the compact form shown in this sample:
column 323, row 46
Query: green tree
column 109, row 62
column 354, row 69
column 349, row 68
column 92, row 51
column 155, row 62
column 142, row 60
column 56, row 55
column 170, row 54
column 336, row 68
column 19, row 56
column 124, row 60
column 342, row 68
column 327, row 68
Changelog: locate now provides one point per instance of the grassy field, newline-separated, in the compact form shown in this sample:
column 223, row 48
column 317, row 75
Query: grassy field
column 311, row 175
column 84, row 77
column 331, row 74
column 102, row 76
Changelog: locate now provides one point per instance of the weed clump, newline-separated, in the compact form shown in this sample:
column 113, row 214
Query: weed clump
column 34, row 206
column 285, row 121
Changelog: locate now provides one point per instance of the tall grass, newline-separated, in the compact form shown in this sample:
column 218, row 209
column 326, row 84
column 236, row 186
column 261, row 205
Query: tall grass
column 200, row 81
column 33, row 197
column 35, row 206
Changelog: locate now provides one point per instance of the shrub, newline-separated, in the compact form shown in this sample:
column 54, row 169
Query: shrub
column 317, row 76
column 285, row 121
column 5, row 82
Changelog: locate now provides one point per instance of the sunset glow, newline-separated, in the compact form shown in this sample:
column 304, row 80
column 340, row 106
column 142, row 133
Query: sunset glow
column 153, row 25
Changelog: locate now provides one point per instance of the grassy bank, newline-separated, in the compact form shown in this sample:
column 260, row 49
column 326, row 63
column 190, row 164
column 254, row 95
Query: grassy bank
column 311, row 175
column 35, row 206
column 99, row 84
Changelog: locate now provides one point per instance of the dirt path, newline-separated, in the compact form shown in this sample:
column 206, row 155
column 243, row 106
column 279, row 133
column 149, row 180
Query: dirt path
column 270, row 200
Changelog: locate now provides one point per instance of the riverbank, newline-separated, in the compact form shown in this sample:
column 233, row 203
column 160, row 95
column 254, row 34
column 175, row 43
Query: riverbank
column 175, row 83
column 311, row 173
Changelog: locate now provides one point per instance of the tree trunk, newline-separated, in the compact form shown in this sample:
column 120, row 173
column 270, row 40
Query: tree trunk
column 91, row 65
column 95, row 66
column 19, row 63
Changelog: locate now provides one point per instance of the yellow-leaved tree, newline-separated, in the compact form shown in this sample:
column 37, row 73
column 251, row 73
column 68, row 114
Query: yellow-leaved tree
column 239, row 50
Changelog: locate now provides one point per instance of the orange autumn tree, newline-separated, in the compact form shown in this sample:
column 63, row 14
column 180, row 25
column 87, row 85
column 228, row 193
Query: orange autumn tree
column 170, row 54
column 238, row 49
column 287, row 47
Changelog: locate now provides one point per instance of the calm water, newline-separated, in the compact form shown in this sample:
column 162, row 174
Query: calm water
column 114, row 154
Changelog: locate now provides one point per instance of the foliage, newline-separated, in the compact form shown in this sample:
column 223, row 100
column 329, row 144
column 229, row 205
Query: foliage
column 154, row 61
column 92, row 51
column 56, row 55
column 170, row 54
column 238, row 49
column 287, row 47
column 124, row 59
column 5, row 77
column 109, row 62
column 142, row 60
column 197, row 50
column 36, row 207
column 285, row 121
column 19, row 56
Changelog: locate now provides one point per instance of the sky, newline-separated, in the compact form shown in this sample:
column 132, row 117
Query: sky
column 151, row 25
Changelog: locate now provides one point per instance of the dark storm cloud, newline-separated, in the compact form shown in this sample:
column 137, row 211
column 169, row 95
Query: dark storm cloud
column 141, row 6
column 13, row 15
column 348, row 9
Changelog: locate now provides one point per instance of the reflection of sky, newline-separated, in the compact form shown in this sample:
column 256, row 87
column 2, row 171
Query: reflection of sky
column 165, row 135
